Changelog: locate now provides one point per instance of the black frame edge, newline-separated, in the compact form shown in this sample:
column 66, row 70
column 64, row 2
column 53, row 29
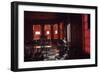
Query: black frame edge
column 14, row 34
column 96, row 36
column 54, row 5
column 55, row 68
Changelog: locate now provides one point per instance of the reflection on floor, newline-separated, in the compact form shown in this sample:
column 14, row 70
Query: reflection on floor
column 55, row 51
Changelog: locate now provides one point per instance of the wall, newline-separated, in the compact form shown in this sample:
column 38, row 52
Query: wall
column 76, row 36
column 5, row 36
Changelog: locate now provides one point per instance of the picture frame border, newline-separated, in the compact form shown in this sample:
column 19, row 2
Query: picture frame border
column 14, row 35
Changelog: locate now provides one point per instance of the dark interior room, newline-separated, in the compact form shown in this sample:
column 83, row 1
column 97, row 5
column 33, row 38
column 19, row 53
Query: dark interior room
column 56, row 36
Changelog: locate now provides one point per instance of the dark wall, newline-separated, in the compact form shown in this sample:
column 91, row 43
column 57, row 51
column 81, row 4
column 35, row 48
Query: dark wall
column 27, row 28
column 76, row 36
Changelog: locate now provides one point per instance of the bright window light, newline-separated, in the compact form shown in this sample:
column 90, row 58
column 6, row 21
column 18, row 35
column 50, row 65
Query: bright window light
column 48, row 32
column 37, row 32
column 68, row 33
column 56, row 31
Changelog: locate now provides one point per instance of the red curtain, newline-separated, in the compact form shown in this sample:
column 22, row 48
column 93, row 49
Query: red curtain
column 86, row 33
